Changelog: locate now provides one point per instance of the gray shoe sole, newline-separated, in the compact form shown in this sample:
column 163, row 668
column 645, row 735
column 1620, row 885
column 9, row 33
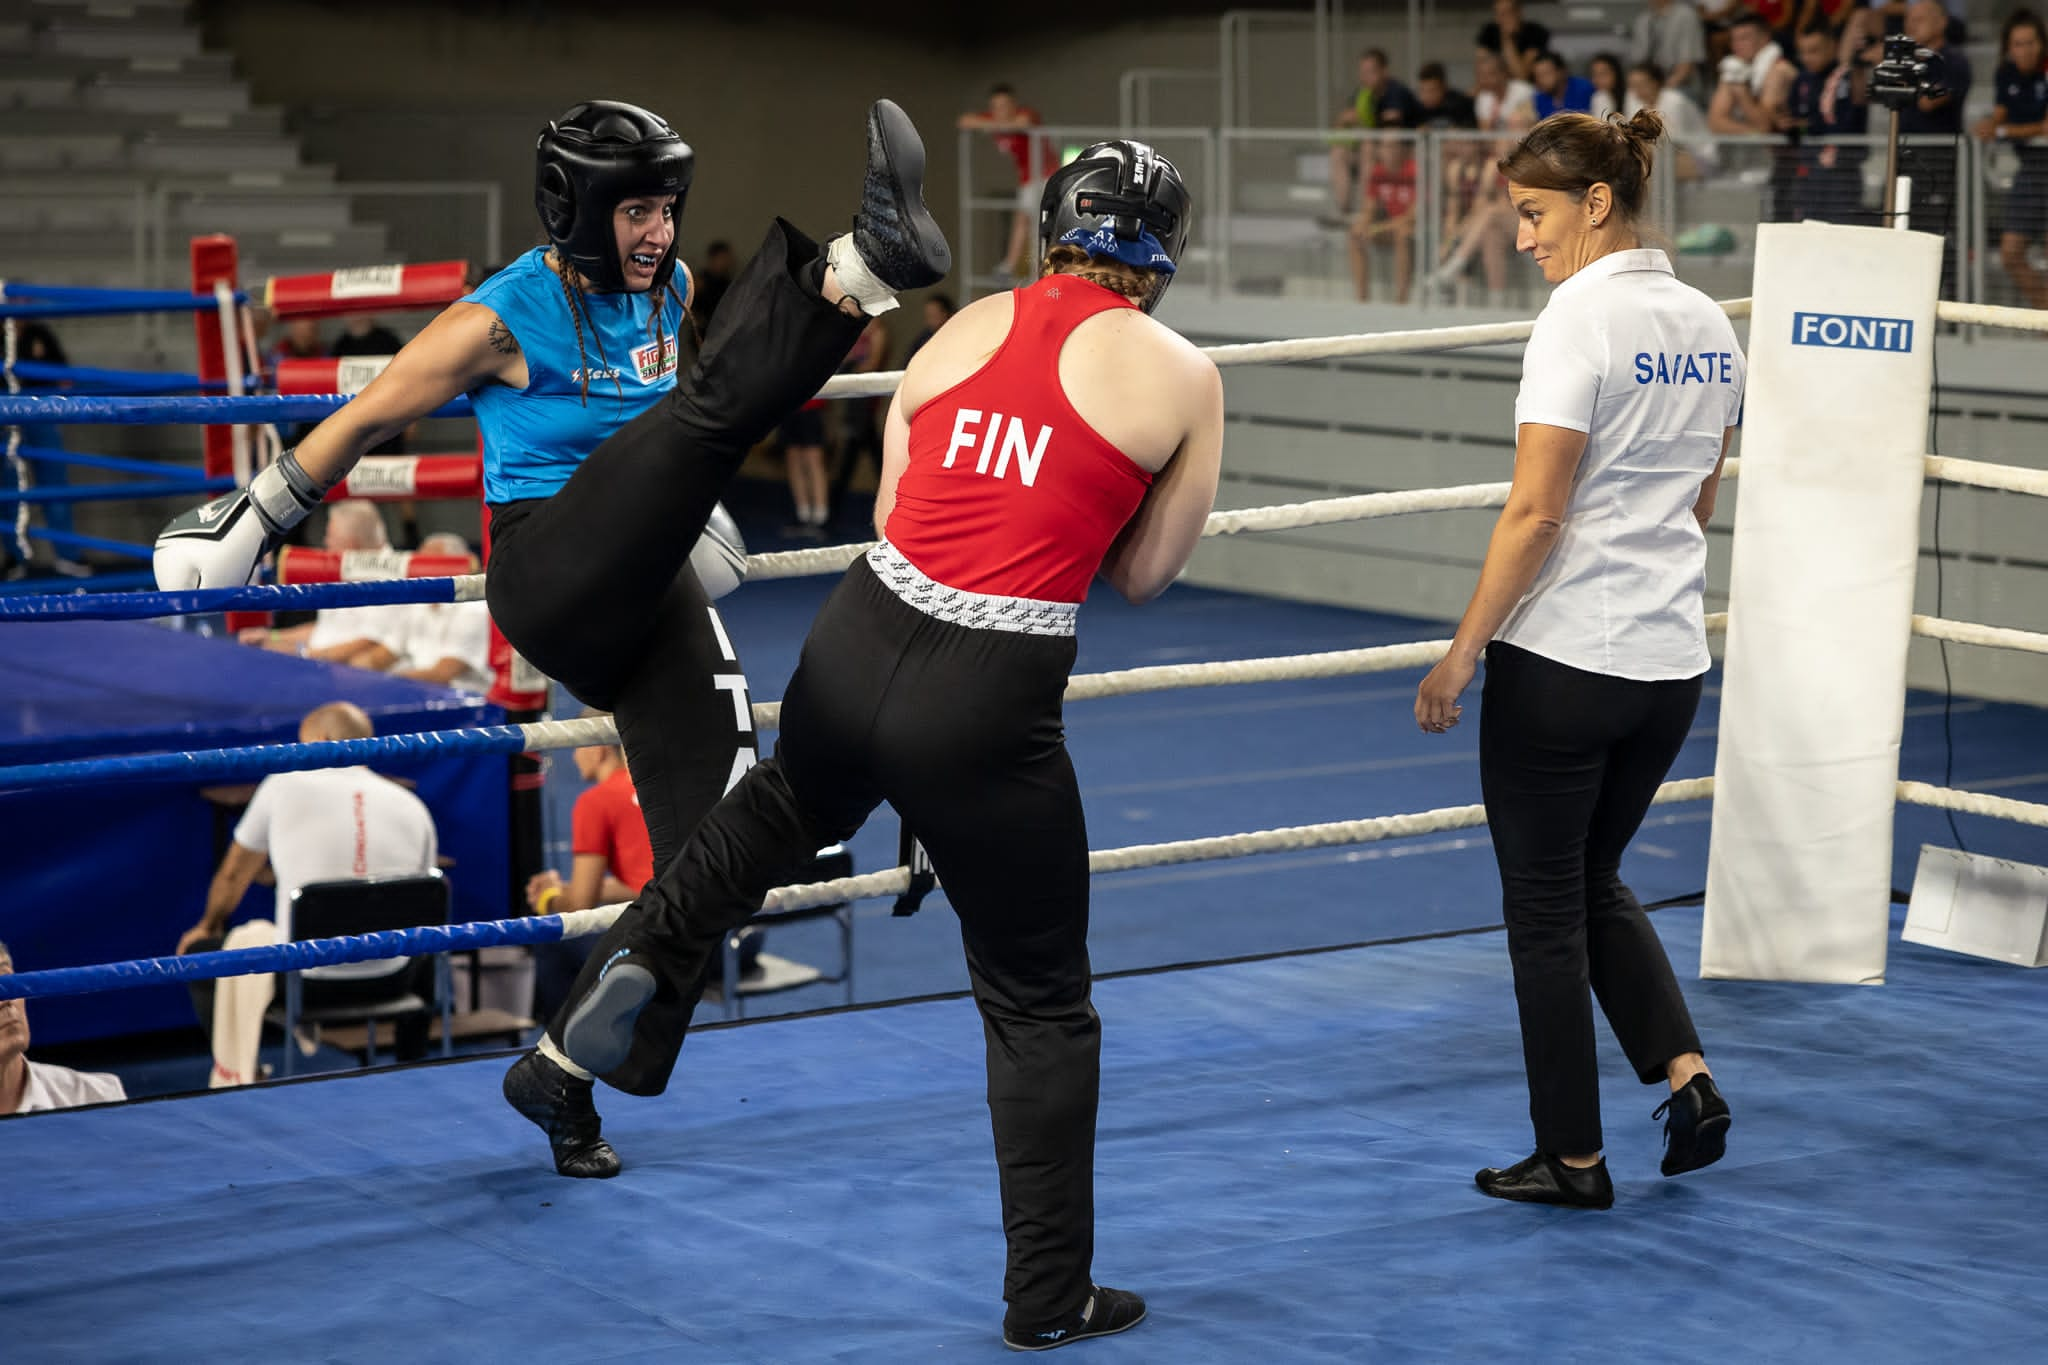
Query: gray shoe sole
column 599, row 1035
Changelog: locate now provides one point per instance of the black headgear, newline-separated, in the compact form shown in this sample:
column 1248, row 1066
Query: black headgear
column 587, row 161
column 1123, row 189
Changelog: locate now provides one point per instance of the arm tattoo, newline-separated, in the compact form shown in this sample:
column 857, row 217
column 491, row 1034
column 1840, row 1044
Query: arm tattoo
column 502, row 340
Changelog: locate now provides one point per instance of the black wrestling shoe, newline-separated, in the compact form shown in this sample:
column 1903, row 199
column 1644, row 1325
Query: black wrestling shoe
column 599, row 1033
column 560, row 1105
column 894, row 232
column 1107, row 1312
column 1696, row 1133
column 1543, row 1179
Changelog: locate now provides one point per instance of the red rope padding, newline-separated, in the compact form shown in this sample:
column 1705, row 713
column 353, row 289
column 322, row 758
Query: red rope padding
column 349, row 375
column 295, row 565
column 367, row 289
column 394, row 478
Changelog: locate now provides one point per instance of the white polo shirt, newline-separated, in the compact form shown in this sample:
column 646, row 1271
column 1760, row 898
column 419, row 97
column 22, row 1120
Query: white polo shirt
column 59, row 1087
column 434, row 631
column 1650, row 370
column 331, row 824
column 339, row 625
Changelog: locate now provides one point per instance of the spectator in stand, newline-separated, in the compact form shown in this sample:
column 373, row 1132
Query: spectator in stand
column 36, row 343
column 299, row 339
column 448, row 643
column 1933, row 168
column 1670, row 37
column 1603, row 69
column 1558, row 90
column 1379, row 102
column 1955, row 17
column 1437, row 105
column 712, row 279
column 938, row 308
column 1496, row 95
column 26, row 1086
column 1011, row 121
column 341, row 635
column 1685, row 125
column 2021, row 118
column 802, row 438
column 1386, row 217
column 327, row 824
column 860, row 419
column 1518, row 42
column 1738, row 104
column 1830, row 14
column 1825, row 98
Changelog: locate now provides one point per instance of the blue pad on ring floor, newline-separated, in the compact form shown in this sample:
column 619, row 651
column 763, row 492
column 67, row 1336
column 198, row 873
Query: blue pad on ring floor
column 1285, row 1173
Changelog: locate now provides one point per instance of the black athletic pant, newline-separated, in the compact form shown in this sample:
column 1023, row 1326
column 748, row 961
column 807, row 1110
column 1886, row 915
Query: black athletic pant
column 593, row 585
column 1568, row 762
column 961, row 731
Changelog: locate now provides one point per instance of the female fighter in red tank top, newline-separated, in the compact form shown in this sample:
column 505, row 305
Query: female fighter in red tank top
column 1009, row 492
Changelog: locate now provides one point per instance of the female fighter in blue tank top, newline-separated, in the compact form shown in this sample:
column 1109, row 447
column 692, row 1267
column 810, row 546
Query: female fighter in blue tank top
column 602, row 471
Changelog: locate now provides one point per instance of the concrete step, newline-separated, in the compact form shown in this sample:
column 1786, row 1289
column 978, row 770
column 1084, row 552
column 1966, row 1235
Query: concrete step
column 186, row 214
column 178, row 94
column 27, row 253
column 131, row 124
column 196, row 150
column 121, row 38
column 301, row 179
column 102, row 151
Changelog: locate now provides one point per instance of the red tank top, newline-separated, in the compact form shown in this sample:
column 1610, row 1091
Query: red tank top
column 1009, row 491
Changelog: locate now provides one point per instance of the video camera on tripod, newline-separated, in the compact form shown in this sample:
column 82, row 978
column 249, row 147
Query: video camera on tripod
column 1905, row 74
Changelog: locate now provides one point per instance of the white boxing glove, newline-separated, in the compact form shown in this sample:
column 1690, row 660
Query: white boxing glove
column 220, row 543
column 719, row 557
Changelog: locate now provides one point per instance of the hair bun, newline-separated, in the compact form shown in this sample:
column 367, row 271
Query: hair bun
column 1646, row 125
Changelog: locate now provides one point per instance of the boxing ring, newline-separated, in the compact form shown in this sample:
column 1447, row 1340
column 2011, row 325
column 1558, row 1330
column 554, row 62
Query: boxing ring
column 1285, row 1138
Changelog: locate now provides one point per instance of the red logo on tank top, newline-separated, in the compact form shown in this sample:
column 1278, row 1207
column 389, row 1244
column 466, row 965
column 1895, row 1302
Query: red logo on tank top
column 1000, row 438
column 656, row 360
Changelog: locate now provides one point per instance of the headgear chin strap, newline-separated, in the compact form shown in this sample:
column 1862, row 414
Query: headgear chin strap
column 1122, row 200
column 590, row 159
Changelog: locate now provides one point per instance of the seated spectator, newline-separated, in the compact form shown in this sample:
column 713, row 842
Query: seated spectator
column 342, row 635
column 437, row 642
column 1437, row 105
column 2021, row 118
column 1379, row 102
column 1557, row 90
column 1386, row 217
column 326, row 824
column 26, row 1086
column 1670, row 37
column 1685, row 126
column 1824, row 98
column 611, row 859
column 1746, row 72
column 1517, row 41
column 1603, row 69
column 938, row 311
column 1495, row 95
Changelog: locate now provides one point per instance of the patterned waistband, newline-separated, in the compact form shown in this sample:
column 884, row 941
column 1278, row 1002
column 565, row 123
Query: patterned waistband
column 975, row 610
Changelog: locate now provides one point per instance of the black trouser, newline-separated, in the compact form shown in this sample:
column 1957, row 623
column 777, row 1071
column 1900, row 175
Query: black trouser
column 961, row 731
column 593, row 585
column 1568, row 762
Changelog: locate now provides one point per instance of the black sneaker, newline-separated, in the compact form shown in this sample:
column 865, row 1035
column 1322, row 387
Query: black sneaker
column 1696, row 1133
column 1107, row 1312
column 894, row 232
column 599, row 1033
column 1542, row 1179
column 560, row 1105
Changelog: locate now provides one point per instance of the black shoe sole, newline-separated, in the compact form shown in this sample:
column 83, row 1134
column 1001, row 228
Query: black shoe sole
column 599, row 1035
column 1084, row 1335
column 903, row 159
column 1517, row 1198
column 1709, row 1144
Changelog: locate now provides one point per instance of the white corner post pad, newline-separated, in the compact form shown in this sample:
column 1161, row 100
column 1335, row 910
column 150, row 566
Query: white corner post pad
column 1827, row 538
column 859, row 282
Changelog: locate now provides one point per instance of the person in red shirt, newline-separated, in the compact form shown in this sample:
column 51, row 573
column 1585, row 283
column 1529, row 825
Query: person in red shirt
column 612, row 859
column 1042, row 438
column 1387, row 215
column 1011, row 121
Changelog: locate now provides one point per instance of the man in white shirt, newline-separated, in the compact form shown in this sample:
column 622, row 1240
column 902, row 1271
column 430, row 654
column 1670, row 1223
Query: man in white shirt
column 27, row 1086
column 329, row 824
column 1685, row 127
column 1753, row 63
column 438, row 642
column 341, row 635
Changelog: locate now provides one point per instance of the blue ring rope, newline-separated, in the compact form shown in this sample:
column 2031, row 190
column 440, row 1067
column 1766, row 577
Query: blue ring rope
column 114, row 492
column 66, row 410
column 280, row 957
column 65, row 301
column 100, row 293
column 147, row 606
column 71, row 540
column 123, row 381
column 97, row 583
column 261, row 760
column 154, row 469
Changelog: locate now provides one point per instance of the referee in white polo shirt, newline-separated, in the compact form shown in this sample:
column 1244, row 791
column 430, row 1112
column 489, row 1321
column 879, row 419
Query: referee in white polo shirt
column 1589, row 613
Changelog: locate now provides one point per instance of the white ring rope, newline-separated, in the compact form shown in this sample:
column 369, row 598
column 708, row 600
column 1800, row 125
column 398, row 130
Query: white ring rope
column 1980, row 474
column 1991, row 315
column 1970, row 633
column 1973, row 803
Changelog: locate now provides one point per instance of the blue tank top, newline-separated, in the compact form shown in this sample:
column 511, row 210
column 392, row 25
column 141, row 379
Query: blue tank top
column 535, row 437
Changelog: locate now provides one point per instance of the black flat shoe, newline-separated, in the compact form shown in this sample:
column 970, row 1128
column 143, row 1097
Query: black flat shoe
column 894, row 232
column 1107, row 1312
column 1543, row 1179
column 1696, row 1133
column 561, row 1107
